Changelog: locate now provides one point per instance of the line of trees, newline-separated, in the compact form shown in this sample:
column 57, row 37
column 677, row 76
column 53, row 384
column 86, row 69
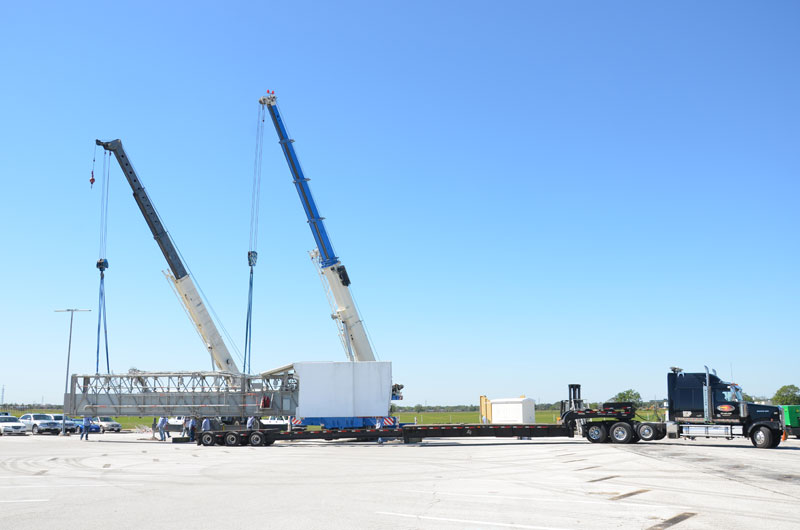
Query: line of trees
column 785, row 395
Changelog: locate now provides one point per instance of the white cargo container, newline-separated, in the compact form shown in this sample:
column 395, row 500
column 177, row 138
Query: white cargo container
column 513, row 410
column 344, row 389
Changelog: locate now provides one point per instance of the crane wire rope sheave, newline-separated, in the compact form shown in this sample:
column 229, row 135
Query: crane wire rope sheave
column 252, row 252
column 102, row 262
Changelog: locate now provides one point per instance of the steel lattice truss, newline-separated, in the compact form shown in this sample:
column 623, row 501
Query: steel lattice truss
column 184, row 394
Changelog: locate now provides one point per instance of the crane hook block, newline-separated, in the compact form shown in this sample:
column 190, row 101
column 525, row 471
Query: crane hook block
column 252, row 256
column 102, row 264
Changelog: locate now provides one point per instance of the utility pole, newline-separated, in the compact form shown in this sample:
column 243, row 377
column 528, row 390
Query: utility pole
column 3, row 395
column 69, row 351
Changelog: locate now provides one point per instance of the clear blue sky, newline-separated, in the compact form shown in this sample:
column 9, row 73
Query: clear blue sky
column 526, row 195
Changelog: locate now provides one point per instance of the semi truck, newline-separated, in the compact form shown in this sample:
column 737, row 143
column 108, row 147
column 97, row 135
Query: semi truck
column 700, row 405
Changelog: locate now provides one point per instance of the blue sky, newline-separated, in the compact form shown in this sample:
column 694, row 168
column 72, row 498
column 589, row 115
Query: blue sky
column 525, row 195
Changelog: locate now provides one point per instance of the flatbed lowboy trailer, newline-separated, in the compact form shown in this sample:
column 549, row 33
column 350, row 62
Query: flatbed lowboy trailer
column 700, row 406
column 571, row 422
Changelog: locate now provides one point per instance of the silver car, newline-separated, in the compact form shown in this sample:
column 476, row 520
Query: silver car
column 39, row 423
column 11, row 425
column 69, row 425
column 108, row 424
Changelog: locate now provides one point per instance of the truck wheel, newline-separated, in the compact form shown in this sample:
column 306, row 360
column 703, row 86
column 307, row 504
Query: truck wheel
column 647, row 432
column 776, row 440
column 661, row 432
column 596, row 433
column 256, row 438
column 762, row 437
column 207, row 439
column 231, row 439
column 621, row 433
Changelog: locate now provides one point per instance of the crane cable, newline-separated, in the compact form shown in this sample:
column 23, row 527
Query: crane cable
column 102, row 262
column 252, row 253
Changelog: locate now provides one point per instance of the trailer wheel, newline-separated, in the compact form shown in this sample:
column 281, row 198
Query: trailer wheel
column 621, row 433
column 207, row 439
column 762, row 437
column 256, row 438
column 231, row 439
column 647, row 432
column 596, row 433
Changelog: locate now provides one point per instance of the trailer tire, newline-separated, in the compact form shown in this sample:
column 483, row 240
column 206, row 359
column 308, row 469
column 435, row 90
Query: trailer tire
column 207, row 439
column 596, row 433
column 762, row 437
column 621, row 433
column 256, row 438
column 647, row 432
column 231, row 439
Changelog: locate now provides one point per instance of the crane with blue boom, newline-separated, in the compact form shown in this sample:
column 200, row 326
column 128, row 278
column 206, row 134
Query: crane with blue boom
column 357, row 345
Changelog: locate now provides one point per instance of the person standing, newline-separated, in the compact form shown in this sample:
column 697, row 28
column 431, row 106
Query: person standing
column 87, row 423
column 206, row 425
column 251, row 422
column 192, row 428
column 162, row 424
column 185, row 429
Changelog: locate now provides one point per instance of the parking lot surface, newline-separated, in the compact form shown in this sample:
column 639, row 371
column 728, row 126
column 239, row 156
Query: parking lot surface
column 128, row 481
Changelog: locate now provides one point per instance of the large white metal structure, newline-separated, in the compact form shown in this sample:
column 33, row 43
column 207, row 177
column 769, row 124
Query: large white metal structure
column 345, row 390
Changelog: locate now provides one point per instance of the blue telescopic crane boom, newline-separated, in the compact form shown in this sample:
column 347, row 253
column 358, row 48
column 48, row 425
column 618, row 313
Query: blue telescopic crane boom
column 357, row 343
column 315, row 221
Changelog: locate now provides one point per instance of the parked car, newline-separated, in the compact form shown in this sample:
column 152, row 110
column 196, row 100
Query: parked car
column 69, row 425
column 11, row 425
column 39, row 423
column 107, row 424
column 92, row 428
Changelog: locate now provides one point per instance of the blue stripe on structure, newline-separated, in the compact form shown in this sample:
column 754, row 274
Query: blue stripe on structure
column 327, row 255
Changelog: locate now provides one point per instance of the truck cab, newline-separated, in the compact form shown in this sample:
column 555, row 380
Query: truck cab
column 703, row 405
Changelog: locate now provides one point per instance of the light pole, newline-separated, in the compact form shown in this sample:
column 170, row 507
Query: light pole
column 69, row 351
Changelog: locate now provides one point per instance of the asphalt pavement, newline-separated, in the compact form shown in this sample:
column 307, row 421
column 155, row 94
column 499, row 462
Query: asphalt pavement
column 127, row 481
